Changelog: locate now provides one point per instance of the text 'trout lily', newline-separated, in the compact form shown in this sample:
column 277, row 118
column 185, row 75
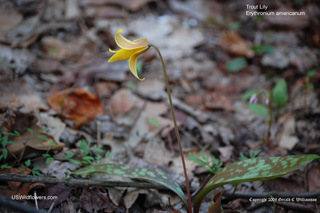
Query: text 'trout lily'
column 129, row 50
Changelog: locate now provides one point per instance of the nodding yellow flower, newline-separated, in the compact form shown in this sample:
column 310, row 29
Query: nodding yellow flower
column 129, row 50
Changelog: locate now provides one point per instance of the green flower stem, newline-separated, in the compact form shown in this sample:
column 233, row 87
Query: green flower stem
column 176, row 128
column 270, row 122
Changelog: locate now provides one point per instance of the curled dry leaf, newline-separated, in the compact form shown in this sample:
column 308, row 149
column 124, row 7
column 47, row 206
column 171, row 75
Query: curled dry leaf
column 235, row 44
column 77, row 105
column 216, row 207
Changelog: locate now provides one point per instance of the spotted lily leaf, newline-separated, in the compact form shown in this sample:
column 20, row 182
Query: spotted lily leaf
column 254, row 169
column 151, row 175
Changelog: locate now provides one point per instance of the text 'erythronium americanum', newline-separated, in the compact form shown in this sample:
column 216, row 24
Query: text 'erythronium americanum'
column 129, row 50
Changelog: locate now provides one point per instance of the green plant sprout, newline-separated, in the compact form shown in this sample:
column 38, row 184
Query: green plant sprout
column 213, row 165
column 48, row 157
column 251, row 169
column 262, row 102
column 34, row 170
column 263, row 49
column 251, row 154
column 87, row 159
column 4, row 141
column 307, row 85
column 236, row 64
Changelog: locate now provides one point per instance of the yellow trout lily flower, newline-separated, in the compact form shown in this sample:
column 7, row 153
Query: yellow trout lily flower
column 129, row 50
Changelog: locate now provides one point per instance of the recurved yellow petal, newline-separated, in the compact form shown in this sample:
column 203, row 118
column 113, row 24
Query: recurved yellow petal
column 141, row 40
column 124, row 43
column 123, row 54
column 133, row 63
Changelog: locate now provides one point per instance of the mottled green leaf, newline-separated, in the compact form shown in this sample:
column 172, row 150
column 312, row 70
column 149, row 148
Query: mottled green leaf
column 128, row 171
column 259, row 109
column 254, row 169
column 279, row 93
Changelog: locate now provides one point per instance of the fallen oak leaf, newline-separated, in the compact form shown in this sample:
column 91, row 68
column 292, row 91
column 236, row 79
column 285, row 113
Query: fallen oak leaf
column 77, row 105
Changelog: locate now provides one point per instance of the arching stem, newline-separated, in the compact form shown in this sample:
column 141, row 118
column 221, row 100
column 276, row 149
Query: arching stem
column 176, row 128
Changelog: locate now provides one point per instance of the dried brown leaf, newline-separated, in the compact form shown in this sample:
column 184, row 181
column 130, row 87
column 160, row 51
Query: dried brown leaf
column 77, row 105
column 123, row 101
column 216, row 207
column 34, row 141
column 233, row 43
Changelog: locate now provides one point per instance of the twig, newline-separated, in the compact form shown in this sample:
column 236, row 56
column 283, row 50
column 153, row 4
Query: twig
column 201, row 117
column 73, row 181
